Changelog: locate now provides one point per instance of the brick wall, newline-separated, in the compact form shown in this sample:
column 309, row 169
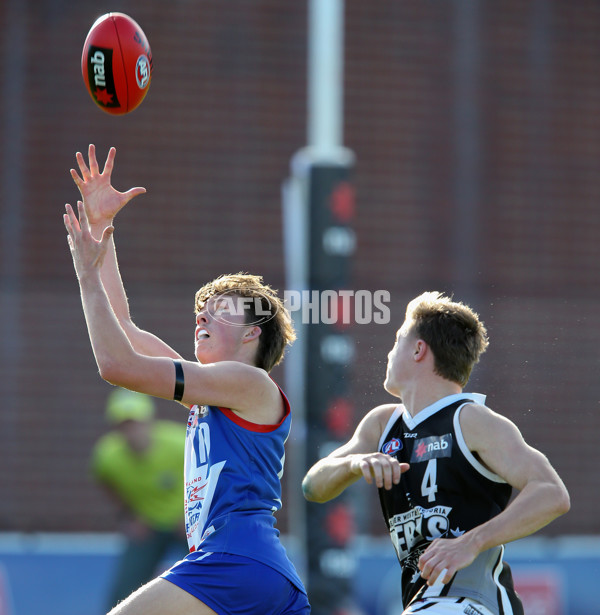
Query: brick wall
column 477, row 137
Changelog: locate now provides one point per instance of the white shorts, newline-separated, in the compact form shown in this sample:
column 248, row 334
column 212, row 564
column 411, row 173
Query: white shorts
column 447, row 606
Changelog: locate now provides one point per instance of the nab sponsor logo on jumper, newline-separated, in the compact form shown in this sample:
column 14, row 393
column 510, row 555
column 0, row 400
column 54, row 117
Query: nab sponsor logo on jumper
column 432, row 448
column 392, row 446
column 100, row 76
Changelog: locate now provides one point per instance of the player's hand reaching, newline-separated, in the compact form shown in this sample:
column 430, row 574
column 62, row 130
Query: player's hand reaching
column 102, row 202
column 379, row 468
column 87, row 252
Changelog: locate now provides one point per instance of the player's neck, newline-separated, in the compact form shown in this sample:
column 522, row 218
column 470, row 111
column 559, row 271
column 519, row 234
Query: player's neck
column 424, row 394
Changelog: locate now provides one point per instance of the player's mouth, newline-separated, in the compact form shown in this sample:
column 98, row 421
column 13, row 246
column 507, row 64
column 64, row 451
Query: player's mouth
column 202, row 334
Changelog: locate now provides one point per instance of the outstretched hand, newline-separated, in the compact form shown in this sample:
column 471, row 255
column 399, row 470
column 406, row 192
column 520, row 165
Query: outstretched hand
column 88, row 253
column 102, row 202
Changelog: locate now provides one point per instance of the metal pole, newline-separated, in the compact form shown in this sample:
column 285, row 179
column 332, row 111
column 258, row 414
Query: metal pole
column 325, row 75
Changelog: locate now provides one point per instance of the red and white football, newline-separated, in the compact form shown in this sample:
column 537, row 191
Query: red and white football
column 116, row 63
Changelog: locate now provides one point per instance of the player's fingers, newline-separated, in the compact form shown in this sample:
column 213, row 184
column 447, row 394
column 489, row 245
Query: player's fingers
column 426, row 565
column 381, row 472
column 365, row 468
column 71, row 219
column 427, row 557
column 110, row 162
column 67, row 224
column 78, row 181
column 83, row 219
column 106, row 235
column 92, row 159
column 133, row 192
column 387, row 470
column 438, row 575
column 397, row 470
column 70, row 214
column 85, row 172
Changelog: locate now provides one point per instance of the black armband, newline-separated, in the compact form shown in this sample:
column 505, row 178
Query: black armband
column 179, row 381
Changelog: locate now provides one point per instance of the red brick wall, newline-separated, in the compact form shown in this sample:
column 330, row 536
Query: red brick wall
column 212, row 142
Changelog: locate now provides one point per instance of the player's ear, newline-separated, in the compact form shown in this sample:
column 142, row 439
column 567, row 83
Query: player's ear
column 252, row 333
column 419, row 350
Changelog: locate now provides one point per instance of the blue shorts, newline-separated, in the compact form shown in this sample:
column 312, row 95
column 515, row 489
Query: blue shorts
column 236, row 585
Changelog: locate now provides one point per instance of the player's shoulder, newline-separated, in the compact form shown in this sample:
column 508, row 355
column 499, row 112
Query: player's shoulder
column 478, row 421
column 475, row 411
column 377, row 419
column 369, row 431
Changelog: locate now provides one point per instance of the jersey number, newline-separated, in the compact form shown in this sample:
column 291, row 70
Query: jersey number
column 429, row 484
column 201, row 444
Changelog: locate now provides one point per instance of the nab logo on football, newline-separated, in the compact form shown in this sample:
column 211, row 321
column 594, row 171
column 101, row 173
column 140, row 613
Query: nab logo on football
column 100, row 74
column 392, row 446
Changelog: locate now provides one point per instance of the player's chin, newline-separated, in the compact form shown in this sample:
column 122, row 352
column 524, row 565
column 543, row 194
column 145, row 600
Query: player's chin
column 203, row 355
column 390, row 387
column 200, row 353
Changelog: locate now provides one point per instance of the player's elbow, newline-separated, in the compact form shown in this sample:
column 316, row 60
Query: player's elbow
column 563, row 501
column 307, row 490
column 558, row 499
column 106, row 369
column 111, row 371
column 311, row 494
column 119, row 369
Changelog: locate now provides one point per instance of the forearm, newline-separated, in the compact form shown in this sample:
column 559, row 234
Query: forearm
column 110, row 345
column 111, row 276
column 142, row 341
column 328, row 478
column 538, row 504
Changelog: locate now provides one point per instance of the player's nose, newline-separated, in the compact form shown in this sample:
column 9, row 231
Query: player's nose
column 201, row 318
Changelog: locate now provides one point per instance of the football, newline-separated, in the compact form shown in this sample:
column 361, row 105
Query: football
column 116, row 63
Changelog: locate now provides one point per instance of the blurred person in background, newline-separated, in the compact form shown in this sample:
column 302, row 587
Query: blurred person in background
column 445, row 466
column 140, row 464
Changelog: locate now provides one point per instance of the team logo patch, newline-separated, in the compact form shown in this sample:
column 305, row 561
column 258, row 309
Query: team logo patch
column 432, row 447
column 142, row 72
column 193, row 417
column 392, row 446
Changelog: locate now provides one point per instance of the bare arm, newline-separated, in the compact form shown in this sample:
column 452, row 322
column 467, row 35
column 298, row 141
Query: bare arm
column 245, row 389
column 102, row 202
column 542, row 495
column 357, row 458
